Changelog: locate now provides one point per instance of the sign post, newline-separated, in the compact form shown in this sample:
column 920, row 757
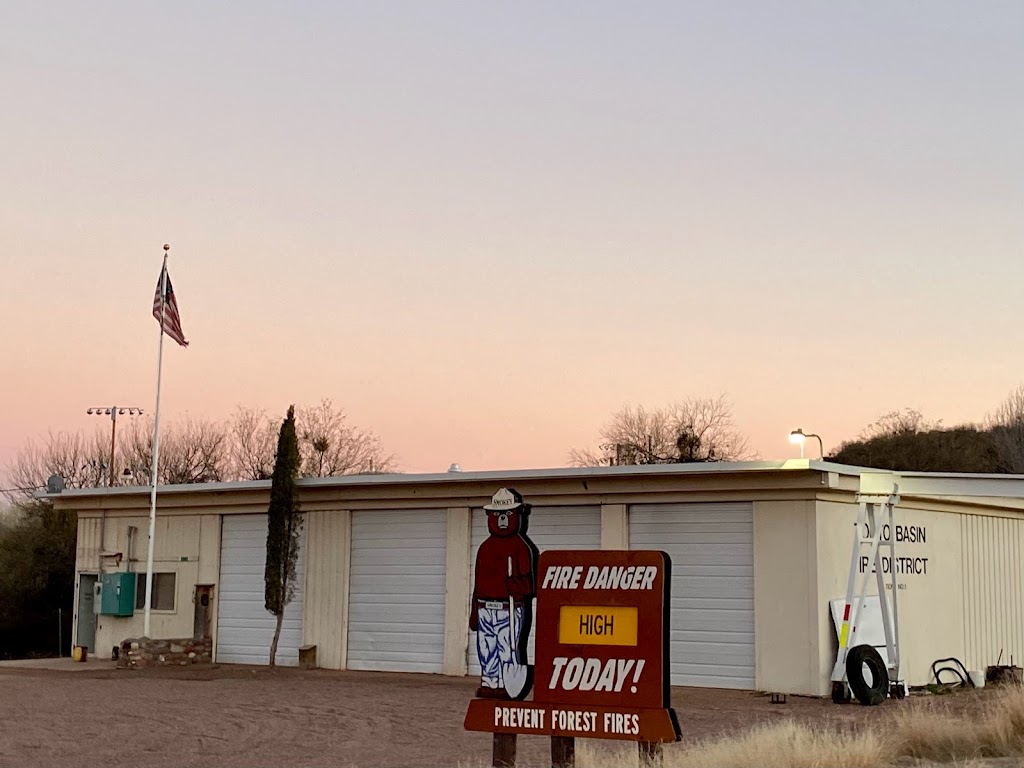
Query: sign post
column 602, row 656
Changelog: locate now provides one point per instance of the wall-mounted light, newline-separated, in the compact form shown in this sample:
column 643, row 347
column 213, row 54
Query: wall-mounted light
column 798, row 437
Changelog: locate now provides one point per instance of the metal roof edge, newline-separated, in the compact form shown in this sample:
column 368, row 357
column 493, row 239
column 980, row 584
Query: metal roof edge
column 911, row 483
column 509, row 476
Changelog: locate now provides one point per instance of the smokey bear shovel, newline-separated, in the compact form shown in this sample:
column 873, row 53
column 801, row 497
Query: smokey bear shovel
column 515, row 675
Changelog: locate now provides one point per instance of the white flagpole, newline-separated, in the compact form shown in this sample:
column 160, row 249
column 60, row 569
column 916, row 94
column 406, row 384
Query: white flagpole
column 156, row 452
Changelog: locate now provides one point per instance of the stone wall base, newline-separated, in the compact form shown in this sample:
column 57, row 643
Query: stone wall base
column 144, row 652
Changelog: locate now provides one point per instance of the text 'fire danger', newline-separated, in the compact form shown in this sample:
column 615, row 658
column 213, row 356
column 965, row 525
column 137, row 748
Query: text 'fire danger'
column 603, row 577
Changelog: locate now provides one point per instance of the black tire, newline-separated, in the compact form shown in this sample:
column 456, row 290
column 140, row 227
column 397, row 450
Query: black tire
column 869, row 694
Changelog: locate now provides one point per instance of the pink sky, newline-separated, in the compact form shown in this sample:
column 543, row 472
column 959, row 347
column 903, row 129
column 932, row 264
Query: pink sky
column 482, row 229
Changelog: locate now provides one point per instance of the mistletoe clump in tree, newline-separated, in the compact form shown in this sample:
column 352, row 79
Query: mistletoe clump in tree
column 284, row 524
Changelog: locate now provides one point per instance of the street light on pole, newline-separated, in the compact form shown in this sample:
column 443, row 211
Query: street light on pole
column 113, row 412
column 798, row 437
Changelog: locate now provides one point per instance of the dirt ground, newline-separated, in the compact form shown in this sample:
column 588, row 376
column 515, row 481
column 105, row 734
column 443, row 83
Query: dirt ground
column 236, row 716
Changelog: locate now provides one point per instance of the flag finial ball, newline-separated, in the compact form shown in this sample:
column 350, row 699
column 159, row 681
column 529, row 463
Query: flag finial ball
column 167, row 247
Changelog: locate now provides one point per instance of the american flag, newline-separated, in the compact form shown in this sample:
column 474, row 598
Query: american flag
column 169, row 305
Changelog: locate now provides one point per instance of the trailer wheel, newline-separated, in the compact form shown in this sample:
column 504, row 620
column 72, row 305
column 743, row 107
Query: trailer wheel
column 869, row 691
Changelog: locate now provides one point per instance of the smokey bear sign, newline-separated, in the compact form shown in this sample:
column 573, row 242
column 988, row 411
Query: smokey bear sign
column 602, row 650
column 503, row 590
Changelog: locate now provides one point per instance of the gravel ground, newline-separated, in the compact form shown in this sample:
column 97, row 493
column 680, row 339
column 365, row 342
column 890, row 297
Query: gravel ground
column 236, row 716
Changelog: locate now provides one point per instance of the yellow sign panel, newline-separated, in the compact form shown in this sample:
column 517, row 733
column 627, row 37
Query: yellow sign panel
column 597, row 625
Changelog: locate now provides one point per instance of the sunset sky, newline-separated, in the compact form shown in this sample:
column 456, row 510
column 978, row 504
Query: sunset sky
column 482, row 227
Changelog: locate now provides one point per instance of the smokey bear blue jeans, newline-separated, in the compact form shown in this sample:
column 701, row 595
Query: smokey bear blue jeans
column 494, row 646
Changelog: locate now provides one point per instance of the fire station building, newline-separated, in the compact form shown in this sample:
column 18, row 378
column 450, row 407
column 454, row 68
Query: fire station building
column 759, row 551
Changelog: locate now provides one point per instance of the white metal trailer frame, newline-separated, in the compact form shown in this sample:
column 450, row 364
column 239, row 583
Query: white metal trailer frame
column 875, row 517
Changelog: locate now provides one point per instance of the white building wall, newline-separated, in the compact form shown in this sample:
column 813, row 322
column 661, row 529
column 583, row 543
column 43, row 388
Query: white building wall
column 968, row 602
column 328, row 553
column 186, row 545
column 993, row 583
column 209, row 567
column 785, row 597
column 87, row 556
column 458, row 590
column 930, row 602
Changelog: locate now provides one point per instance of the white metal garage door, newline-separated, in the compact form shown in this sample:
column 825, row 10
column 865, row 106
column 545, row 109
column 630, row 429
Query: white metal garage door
column 550, row 528
column 712, row 550
column 245, row 628
column 397, row 589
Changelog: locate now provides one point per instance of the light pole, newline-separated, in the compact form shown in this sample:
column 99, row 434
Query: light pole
column 798, row 437
column 113, row 412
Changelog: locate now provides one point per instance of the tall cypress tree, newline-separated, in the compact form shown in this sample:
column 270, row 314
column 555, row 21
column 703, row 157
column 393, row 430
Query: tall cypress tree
column 284, row 524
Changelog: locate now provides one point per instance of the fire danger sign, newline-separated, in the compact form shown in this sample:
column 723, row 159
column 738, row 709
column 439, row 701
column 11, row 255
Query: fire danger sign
column 602, row 652
column 609, row 644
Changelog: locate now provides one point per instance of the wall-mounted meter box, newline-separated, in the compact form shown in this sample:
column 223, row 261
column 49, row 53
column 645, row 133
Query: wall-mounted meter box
column 117, row 598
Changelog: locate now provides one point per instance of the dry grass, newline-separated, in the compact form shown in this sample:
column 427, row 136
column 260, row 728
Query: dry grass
column 787, row 744
column 928, row 735
column 783, row 744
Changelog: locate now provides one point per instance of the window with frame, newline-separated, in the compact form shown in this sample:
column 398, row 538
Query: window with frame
column 164, row 585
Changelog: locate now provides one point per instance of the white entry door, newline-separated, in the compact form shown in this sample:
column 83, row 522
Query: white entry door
column 245, row 628
column 712, row 551
column 549, row 528
column 397, row 590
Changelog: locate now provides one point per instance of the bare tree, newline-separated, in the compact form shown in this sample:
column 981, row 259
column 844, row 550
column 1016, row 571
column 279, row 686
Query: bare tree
column 694, row 430
column 195, row 451
column 200, row 451
column 137, row 450
column 191, row 451
column 252, row 444
column 588, row 457
column 1010, row 411
column 905, row 422
column 82, row 460
column 331, row 446
column 1006, row 425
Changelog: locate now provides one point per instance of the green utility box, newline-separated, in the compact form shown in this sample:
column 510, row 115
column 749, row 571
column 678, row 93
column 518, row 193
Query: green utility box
column 117, row 597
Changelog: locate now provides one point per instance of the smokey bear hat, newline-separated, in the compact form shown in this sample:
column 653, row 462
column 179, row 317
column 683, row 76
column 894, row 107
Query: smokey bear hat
column 504, row 500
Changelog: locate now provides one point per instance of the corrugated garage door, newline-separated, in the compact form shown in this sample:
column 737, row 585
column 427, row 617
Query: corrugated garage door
column 550, row 528
column 397, row 589
column 712, row 550
column 245, row 628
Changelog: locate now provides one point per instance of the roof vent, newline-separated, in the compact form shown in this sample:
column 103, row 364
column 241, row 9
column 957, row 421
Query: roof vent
column 454, row 467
